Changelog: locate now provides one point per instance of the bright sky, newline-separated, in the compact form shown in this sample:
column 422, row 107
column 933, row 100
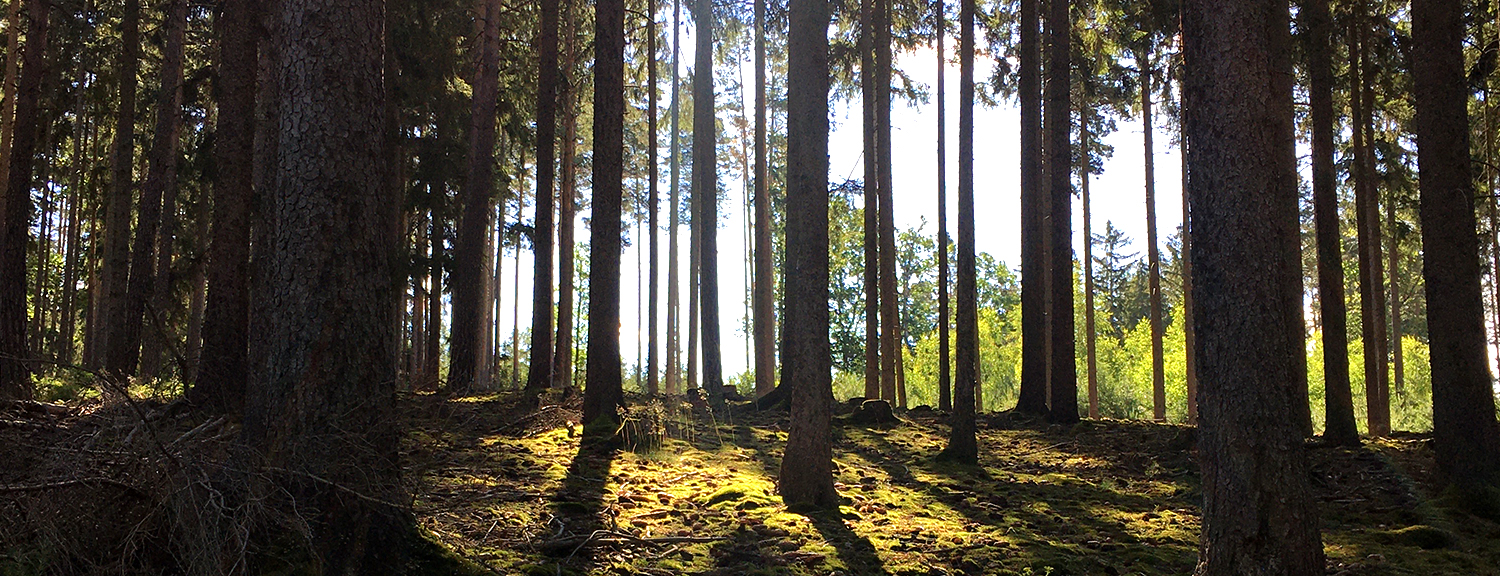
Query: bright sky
column 1118, row 195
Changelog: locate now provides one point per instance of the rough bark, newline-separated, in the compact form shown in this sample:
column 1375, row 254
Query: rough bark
column 807, row 469
column 653, row 384
column 115, row 278
column 869, row 79
column 1339, row 426
column 1033, row 396
column 15, row 211
column 539, row 374
column 1466, row 438
column 1063, row 370
column 602, row 395
column 963, row 444
column 706, row 190
column 467, row 370
column 1259, row 516
column 8, row 90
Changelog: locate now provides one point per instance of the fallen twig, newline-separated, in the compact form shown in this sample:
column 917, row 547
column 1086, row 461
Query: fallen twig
column 75, row 482
column 616, row 537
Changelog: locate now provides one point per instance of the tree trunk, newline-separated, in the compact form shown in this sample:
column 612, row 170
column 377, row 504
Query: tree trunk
column 467, row 370
column 1063, row 380
column 434, row 331
column 1372, row 297
column 1466, row 437
column 945, row 383
column 1259, row 516
column 1033, row 396
column 602, row 395
column 115, row 278
column 674, row 317
column 963, row 444
column 807, row 468
column 653, row 385
column 81, row 163
column 419, row 304
column 765, row 276
column 869, row 79
column 1339, row 427
column 1153, row 258
column 15, row 212
column 567, row 206
column 197, row 303
column 706, row 177
column 539, row 375
column 8, row 90
column 1189, row 323
column 1398, row 359
column 327, row 337
column 160, row 176
column 890, row 320
column 1090, row 335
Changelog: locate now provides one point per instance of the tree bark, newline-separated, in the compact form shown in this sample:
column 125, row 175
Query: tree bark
column 890, row 320
column 653, row 384
column 869, row 79
column 467, row 370
column 1063, row 380
column 1339, row 426
column 567, row 206
column 1466, row 437
column 807, row 469
column 114, row 281
column 15, row 211
column 602, row 395
column 1090, row 335
column 1398, row 359
column 1153, row 257
column 765, row 276
column 674, row 316
column 945, row 382
column 539, row 375
column 963, row 444
column 1033, row 396
column 1189, row 324
column 1259, row 516
column 8, row 90
column 706, row 190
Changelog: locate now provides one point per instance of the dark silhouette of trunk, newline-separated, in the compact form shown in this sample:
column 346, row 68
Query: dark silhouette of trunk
column 539, row 374
column 81, row 135
column 890, row 320
column 8, row 90
column 1398, row 359
column 1063, row 373
column 1189, row 328
column 1371, row 284
column 869, row 79
column 156, row 340
column 219, row 385
column 765, row 276
column 115, row 278
column 1259, row 516
column 1339, row 426
column 197, row 303
column 602, row 395
column 1153, row 257
column 1033, row 396
column 567, row 206
column 963, row 444
column 161, row 174
column 15, row 211
column 706, row 191
column 467, row 368
column 653, row 385
column 674, row 316
column 807, row 469
column 1466, row 438
column 1090, row 335
column 434, row 331
column 945, row 383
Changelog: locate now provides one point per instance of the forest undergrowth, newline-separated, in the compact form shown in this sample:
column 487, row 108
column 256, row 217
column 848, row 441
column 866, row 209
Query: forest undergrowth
column 121, row 487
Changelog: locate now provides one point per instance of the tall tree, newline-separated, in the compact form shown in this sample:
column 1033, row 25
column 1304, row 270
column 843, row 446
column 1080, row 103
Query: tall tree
column 115, row 277
column 1033, row 397
column 15, row 208
column 963, row 443
column 8, row 90
column 807, row 363
column 869, row 80
column 945, row 399
column 602, row 395
column 1339, row 427
column 328, row 336
column 160, row 174
column 1153, row 258
column 890, row 321
column 471, row 265
column 653, row 385
column 1090, row 335
column 1367, row 223
column 765, row 280
column 567, row 202
column 1466, row 438
column 539, row 375
column 674, row 202
column 1258, row 511
column 706, row 191
column 1063, row 373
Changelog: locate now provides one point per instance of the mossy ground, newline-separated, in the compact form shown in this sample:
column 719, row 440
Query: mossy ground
column 516, row 491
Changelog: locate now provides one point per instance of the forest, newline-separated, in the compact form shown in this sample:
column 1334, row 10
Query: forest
column 352, row 287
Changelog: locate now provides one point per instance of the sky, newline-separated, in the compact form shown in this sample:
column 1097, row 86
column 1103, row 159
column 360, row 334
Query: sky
column 1118, row 195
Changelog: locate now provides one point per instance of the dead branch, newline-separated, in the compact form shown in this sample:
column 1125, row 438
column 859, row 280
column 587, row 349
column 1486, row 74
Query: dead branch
column 75, row 482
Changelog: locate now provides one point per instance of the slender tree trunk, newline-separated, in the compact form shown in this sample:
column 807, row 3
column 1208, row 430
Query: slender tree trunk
column 156, row 339
column 77, row 193
column 515, row 302
column 8, row 90
column 434, row 354
column 1033, row 395
column 1189, row 322
column 567, row 206
column 945, row 383
column 467, row 370
column 695, row 232
column 197, row 303
column 419, row 305
column 1259, row 516
column 807, row 362
column 539, row 375
column 116, row 275
column 602, row 394
column 653, row 385
column 1466, row 437
column 15, row 212
column 765, row 277
column 889, row 310
column 1398, row 359
column 45, row 211
column 1153, row 257
column 1372, row 297
column 963, row 444
column 160, row 187
column 706, row 178
column 1339, row 426
column 1063, row 380
column 869, row 80
column 674, row 317
column 1089, row 333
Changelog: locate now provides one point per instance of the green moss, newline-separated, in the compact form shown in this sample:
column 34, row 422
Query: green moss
column 1422, row 536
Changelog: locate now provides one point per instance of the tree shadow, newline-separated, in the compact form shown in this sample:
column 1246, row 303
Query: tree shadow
column 578, row 509
column 856, row 552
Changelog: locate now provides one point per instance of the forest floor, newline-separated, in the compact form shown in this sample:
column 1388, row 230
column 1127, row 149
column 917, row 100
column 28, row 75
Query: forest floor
column 516, row 491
